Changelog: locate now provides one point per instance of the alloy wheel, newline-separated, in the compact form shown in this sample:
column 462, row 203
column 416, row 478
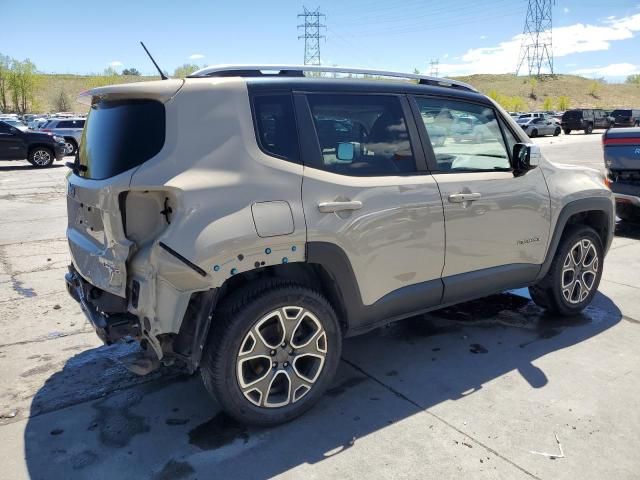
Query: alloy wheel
column 281, row 357
column 68, row 147
column 41, row 157
column 579, row 271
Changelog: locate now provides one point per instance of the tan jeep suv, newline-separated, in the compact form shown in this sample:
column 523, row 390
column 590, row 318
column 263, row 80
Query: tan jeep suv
column 246, row 219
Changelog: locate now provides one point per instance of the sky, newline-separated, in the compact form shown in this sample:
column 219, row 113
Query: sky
column 596, row 39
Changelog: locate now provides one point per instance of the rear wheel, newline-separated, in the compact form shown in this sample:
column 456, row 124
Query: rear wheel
column 556, row 132
column 589, row 129
column 41, row 157
column 574, row 274
column 272, row 352
column 567, row 131
column 70, row 146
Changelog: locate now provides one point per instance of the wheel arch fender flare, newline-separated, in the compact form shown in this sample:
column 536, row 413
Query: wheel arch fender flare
column 603, row 205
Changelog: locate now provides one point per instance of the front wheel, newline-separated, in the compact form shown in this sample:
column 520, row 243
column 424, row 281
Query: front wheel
column 574, row 274
column 41, row 157
column 534, row 133
column 273, row 350
column 70, row 146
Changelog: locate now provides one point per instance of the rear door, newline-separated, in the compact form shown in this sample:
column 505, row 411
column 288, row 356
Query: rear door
column 496, row 223
column 366, row 190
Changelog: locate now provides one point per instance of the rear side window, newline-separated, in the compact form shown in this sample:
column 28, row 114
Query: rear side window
column 120, row 135
column 362, row 135
column 276, row 126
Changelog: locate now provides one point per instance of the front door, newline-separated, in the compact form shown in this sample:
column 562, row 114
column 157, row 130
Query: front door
column 366, row 192
column 497, row 224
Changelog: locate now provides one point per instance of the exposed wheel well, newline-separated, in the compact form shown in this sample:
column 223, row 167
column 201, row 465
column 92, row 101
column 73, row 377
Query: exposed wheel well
column 303, row 273
column 596, row 219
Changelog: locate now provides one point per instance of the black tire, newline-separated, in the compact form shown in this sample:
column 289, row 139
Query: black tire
column 233, row 319
column 548, row 292
column 41, row 157
column 567, row 131
column 74, row 146
column 628, row 213
column 589, row 129
column 556, row 132
column 534, row 133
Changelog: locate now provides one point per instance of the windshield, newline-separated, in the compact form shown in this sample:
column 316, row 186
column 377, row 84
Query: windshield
column 120, row 135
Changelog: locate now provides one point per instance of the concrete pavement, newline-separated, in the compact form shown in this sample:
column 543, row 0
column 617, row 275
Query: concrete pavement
column 471, row 390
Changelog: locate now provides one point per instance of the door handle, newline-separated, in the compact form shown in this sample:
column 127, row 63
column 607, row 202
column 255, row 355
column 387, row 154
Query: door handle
column 464, row 197
column 331, row 207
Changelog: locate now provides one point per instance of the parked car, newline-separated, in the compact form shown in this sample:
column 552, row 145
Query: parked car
column 40, row 149
column 587, row 119
column 14, row 123
column 622, row 161
column 69, row 128
column 535, row 127
column 37, row 123
column 468, row 128
column 221, row 228
column 626, row 117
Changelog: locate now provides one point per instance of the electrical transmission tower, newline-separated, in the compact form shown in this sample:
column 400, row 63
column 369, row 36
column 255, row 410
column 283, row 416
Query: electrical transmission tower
column 537, row 49
column 435, row 67
column 312, row 34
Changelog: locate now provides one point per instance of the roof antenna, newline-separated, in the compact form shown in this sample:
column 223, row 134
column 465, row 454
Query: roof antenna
column 162, row 75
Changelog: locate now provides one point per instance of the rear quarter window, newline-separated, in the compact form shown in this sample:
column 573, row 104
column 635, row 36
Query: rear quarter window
column 120, row 135
column 275, row 126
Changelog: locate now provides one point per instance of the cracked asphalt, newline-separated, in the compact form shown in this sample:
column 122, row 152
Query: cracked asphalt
column 472, row 390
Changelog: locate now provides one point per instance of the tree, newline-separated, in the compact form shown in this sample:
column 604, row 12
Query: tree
column 534, row 83
column 185, row 70
column 563, row 102
column 110, row 72
column 547, row 105
column 131, row 71
column 5, row 64
column 594, row 88
column 635, row 79
column 62, row 103
column 518, row 104
column 23, row 81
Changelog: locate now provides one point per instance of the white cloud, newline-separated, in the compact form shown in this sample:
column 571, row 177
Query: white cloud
column 565, row 9
column 196, row 56
column 446, row 55
column 577, row 38
column 482, row 37
column 613, row 70
column 115, row 63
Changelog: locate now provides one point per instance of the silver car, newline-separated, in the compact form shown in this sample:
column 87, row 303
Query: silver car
column 69, row 128
column 535, row 127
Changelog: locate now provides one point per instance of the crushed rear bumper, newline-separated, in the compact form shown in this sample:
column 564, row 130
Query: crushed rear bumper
column 106, row 312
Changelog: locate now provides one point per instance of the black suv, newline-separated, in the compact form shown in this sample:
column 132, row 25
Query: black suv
column 586, row 119
column 626, row 117
column 41, row 149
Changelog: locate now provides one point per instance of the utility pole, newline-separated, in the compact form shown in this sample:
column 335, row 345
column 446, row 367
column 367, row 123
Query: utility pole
column 312, row 34
column 435, row 67
column 537, row 48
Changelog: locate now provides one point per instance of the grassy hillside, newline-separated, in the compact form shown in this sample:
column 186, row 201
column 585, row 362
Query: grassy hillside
column 581, row 92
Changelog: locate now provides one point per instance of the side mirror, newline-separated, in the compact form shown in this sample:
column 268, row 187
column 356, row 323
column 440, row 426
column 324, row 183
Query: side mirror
column 526, row 156
column 346, row 151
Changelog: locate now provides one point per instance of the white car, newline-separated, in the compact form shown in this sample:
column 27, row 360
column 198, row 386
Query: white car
column 535, row 127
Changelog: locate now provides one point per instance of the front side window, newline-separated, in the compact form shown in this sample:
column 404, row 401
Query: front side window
column 464, row 136
column 362, row 135
column 276, row 126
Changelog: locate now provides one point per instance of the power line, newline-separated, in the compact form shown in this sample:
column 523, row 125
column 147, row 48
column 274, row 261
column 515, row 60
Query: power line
column 312, row 27
column 537, row 47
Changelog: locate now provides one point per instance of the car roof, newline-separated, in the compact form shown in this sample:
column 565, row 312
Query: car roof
column 350, row 85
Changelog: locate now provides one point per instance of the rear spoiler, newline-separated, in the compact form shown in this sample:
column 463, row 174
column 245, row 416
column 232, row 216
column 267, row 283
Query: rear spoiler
column 160, row 90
